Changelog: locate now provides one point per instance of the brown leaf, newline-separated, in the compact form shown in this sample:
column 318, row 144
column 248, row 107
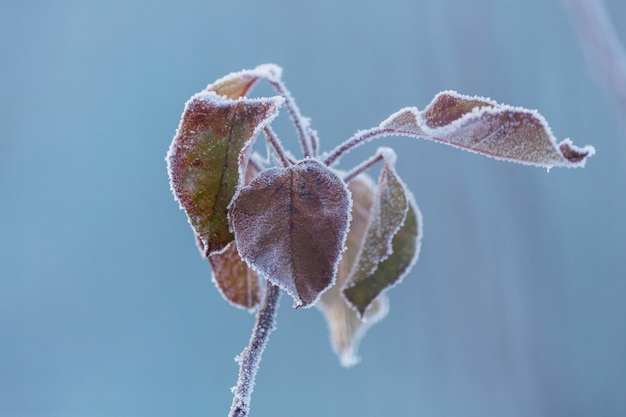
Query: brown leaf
column 483, row 126
column 237, row 84
column 291, row 224
column 208, row 156
column 237, row 283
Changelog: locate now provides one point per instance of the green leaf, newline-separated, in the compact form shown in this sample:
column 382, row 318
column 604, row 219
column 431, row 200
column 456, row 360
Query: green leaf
column 387, row 215
column 486, row 127
column 406, row 246
column 346, row 327
column 208, row 157
column 291, row 224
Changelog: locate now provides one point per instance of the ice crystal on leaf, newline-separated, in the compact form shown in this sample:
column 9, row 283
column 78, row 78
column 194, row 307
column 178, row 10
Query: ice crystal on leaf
column 291, row 224
column 304, row 227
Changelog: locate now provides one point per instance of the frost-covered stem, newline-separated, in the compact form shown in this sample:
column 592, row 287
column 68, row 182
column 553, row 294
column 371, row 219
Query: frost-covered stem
column 315, row 142
column 362, row 167
column 251, row 355
column 357, row 140
column 296, row 117
column 273, row 140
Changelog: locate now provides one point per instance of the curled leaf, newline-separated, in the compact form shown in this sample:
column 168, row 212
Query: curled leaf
column 346, row 327
column 483, row 126
column 406, row 247
column 388, row 217
column 237, row 84
column 208, row 158
column 291, row 224
column 387, row 214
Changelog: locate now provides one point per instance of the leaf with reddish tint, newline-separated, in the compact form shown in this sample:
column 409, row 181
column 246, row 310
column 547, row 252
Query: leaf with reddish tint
column 290, row 224
column 388, row 213
column 406, row 247
column 237, row 84
column 234, row 279
column 346, row 328
column 208, row 158
column 483, row 126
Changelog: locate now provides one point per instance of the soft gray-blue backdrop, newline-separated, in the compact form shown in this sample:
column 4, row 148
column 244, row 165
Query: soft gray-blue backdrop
column 517, row 306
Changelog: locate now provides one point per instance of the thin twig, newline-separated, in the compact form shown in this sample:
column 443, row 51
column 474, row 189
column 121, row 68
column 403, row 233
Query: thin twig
column 362, row 167
column 315, row 142
column 295, row 115
column 251, row 356
column 357, row 140
column 273, row 140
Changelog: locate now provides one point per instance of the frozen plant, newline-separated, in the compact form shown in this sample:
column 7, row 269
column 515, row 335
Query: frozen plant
column 335, row 239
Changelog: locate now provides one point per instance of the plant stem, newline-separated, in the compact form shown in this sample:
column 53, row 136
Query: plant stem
column 362, row 167
column 358, row 139
column 251, row 356
column 295, row 115
column 273, row 140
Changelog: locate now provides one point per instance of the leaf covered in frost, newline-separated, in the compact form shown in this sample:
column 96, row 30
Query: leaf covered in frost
column 208, row 157
column 291, row 224
column 406, row 247
column 237, row 84
column 237, row 283
column 346, row 327
column 483, row 126
column 235, row 280
column 387, row 216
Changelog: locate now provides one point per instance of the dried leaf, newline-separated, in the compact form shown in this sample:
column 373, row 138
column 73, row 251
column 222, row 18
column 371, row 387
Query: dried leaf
column 237, row 283
column 483, row 126
column 406, row 247
column 208, row 156
column 346, row 328
column 237, row 84
column 291, row 224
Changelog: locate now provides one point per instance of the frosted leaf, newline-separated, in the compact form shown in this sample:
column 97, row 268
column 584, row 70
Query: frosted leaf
column 387, row 214
column 346, row 328
column 238, row 84
column 390, row 272
column 237, row 283
column 483, row 126
column 291, row 224
column 208, row 158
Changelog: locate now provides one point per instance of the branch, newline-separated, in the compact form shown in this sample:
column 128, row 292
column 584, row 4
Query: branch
column 362, row 167
column 251, row 356
column 358, row 139
column 273, row 140
column 295, row 115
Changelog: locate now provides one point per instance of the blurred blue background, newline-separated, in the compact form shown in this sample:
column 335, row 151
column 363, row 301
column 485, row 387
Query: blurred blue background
column 517, row 306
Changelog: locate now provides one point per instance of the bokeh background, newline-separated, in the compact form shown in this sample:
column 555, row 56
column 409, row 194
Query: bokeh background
column 517, row 306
